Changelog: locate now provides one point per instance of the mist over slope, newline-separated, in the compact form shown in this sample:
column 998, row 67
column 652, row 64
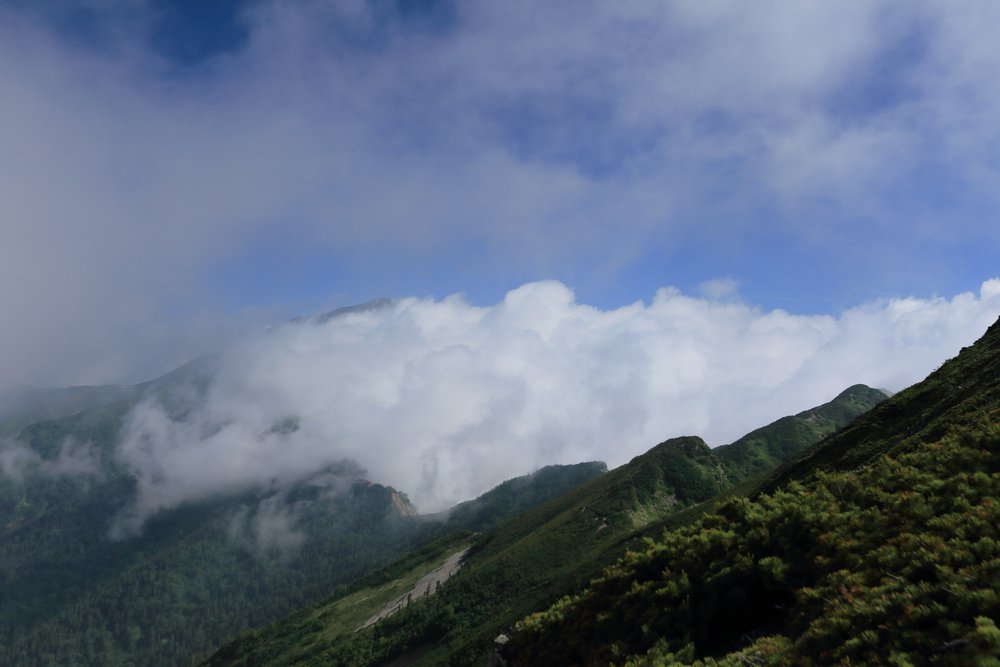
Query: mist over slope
column 446, row 399
column 528, row 561
column 198, row 573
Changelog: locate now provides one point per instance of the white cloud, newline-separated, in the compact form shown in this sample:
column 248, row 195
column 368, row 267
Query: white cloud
column 555, row 135
column 443, row 399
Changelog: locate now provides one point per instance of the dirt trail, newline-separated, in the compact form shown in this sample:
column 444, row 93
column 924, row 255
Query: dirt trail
column 427, row 585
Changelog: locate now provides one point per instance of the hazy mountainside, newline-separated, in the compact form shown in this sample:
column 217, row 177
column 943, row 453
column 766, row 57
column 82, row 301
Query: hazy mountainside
column 530, row 560
column 196, row 574
column 26, row 405
column 892, row 558
column 22, row 406
column 199, row 573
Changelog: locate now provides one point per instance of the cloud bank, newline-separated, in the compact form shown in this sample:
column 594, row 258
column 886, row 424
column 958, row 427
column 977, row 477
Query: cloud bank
column 442, row 399
column 494, row 142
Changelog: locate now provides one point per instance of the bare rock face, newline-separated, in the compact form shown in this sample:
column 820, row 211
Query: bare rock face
column 402, row 504
column 427, row 585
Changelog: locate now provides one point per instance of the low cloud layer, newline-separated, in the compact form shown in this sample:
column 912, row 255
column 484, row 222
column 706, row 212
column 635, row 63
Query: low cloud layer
column 19, row 462
column 268, row 529
column 443, row 399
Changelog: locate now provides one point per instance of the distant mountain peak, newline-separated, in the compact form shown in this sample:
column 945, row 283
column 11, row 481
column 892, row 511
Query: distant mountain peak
column 368, row 306
column 860, row 390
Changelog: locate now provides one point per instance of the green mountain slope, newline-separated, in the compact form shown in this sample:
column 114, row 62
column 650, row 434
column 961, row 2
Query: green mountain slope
column 516, row 495
column 196, row 574
column 529, row 561
column 960, row 393
column 200, row 573
column 765, row 448
column 886, row 552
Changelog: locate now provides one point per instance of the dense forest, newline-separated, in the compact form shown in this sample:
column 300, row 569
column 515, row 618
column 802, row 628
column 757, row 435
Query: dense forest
column 195, row 576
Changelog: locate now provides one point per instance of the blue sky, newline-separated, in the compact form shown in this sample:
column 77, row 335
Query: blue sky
column 175, row 171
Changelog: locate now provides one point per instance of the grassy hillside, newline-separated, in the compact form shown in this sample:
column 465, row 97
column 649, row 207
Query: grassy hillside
column 764, row 449
column 329, row 621
column 529, row 561
column 516, row 495
column 961, row 393
column 887, row 551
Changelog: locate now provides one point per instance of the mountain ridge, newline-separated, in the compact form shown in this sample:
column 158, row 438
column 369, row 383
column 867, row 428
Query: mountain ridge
column 28, row 403
column 878, row 545
column 524, row 562
column 277, row 523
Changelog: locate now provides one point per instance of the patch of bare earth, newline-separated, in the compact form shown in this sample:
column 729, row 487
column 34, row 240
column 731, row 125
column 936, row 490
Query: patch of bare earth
column 426, row 585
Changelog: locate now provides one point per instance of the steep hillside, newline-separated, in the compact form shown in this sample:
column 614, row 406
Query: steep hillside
column 765, row 448
column 350, row 610
column 530, row 560
column 891, row 558
column 961, row 393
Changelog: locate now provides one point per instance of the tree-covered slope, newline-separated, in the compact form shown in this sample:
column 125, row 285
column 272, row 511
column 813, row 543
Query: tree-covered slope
column 529, row 561
column 197, row 574
column 886, row 552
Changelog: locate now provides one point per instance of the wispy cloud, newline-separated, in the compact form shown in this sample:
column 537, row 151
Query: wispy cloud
column 269, row 529
column 19, row 462
column 443, row 399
